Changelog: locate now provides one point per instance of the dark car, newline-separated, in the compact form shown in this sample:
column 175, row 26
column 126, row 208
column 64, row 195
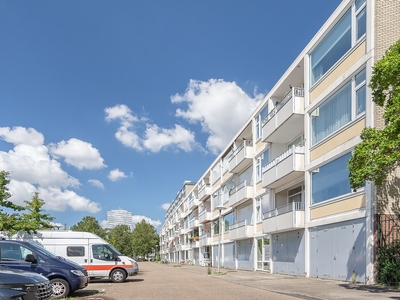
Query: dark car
column 65, row 276
column 21, row 285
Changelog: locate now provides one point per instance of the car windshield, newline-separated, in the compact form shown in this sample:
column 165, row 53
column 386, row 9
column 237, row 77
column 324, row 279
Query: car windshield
column 43, row 251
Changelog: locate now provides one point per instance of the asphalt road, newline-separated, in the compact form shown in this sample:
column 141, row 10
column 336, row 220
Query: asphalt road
column 159, row 281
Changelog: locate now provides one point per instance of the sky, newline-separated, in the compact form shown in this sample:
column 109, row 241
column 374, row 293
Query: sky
column 110, row 105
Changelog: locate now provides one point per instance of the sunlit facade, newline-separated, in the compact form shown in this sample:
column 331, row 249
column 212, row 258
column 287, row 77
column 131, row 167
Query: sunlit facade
column 278, row 197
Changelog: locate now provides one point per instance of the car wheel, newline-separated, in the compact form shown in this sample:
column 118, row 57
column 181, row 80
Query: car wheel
column 60, row 288
column 118, row 275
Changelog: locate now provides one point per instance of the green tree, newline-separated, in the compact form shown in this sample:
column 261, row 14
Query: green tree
column 144, row 238
column 35, row 218
column 90, row 224
column 120, row 238
column 9, row 216
column 379, row 152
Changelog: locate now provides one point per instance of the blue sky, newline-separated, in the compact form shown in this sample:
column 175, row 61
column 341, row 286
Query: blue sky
column 114, row 104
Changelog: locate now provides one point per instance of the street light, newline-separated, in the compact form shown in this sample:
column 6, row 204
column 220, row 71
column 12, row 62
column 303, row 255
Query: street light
column 220, row 208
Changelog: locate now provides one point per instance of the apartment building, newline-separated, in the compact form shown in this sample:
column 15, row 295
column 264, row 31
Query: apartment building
column 119, row 217
column 278, row 197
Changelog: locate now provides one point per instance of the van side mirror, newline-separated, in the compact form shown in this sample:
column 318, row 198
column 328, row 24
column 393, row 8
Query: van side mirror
column 30, row 258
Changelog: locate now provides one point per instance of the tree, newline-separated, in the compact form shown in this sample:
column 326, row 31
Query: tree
column 144, row 238
column 35, row 219
column 120, row 238
column 379, row 152
column 90, row 224
column 10, row 219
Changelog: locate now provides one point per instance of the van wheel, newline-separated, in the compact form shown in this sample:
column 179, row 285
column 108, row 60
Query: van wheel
column 118, row 275
column 60, row 288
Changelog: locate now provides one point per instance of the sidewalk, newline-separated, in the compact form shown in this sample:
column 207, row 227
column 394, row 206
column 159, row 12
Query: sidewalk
column 300, row 287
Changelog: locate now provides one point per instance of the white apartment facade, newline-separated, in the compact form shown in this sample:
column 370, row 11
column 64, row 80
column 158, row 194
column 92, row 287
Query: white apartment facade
column 280, row 188
column 119, row 217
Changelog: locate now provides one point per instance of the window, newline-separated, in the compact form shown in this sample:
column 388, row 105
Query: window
column 361, row 18
column 258, row 210
column 102, row 252
column 340, row 109
column 229, row 219
column 216, row 226
column 215, row 173
column 294, row 195
column 13, row 252
column 75, row 251
column 361, row 92
column 338, row 41
column 332, row 48
column 261, row 161
column 258, row 120
column 331, row 180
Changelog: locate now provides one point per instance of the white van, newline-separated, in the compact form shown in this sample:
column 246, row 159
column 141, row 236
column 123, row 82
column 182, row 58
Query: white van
column 98, row 257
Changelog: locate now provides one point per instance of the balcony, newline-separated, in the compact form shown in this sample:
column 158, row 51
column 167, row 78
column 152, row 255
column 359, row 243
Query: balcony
column 205, row 216
column 240, row 194
column 204, row 192
column 241, row 230
column 286, row 120
column 287, row 217
column 193, row 202
column 241, row 157
column 193, row 223
column 284, row 168
column 205, row 240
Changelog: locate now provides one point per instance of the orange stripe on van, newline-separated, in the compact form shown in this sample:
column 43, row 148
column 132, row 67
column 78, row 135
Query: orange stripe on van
column 105, row 267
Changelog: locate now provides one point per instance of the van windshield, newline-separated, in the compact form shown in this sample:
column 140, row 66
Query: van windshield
column 43, row 251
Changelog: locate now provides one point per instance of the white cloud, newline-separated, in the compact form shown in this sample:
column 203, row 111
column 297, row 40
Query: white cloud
column 137, row 219
column 96, row 183
column 116, row 174
column 21, row 135
column 32, row 169
column 220, row 107
column 165, row 206
column 154, row 138
column 80, row 154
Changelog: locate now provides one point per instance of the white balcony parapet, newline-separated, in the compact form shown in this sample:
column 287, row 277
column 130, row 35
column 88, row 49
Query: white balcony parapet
column 193, row 223
column 241, row 193
column 193, row 202
column 205, row 240
column 241, row 157
column 205, row 215
column 204, row 192
column 288, row 114
column 289, row 162
column 241, row 230
column 285, row 217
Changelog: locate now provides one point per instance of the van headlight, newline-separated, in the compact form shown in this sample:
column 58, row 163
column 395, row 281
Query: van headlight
column 78, row 273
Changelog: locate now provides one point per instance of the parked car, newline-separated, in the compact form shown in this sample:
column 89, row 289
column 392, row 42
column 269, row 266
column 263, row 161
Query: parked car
column 65, row 276
column 21, row 285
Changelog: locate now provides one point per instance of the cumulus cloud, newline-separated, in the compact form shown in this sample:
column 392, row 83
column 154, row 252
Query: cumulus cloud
column 165, row 206
column 96, row 183
column 34, row 170
column 220, row 107
column 137, row 219
column 80, row 154
column 154, row 138
column 116, row 174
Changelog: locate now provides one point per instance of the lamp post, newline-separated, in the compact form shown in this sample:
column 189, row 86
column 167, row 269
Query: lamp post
column 220, row 208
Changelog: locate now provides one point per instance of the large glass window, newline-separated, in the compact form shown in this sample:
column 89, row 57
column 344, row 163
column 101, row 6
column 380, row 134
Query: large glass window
column 332, row 48
column 258, row 120
column 331, row 180
column 332, row 114
column 340, row 109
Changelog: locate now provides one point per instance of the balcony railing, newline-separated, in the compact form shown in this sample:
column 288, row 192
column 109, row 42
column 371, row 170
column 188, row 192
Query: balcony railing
column 285, row 217
column 288, row 114
column 241, row 230
column 241, row 157
column 193, row 202
column 277, row 171
column 193, row 223
column 241, row 193
column 205, row 215
column 204, row 192
column 205, row 240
